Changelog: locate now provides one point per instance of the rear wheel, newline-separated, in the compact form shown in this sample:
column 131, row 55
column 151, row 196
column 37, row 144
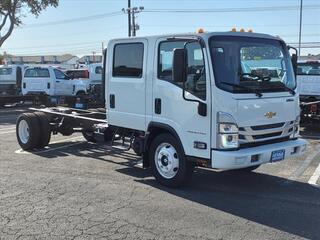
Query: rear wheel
column 80, row 94
column 168, row 161
column 27, row 131
column 45, row 130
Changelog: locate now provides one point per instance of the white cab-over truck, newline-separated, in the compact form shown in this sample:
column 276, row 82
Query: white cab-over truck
column 308, row 80
column 10, row 79
column 179, row 101
column 51, row 81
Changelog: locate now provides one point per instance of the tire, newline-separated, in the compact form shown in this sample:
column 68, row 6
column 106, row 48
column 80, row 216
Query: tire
column 172, row 169
column 108, row 135
column 27, row 131
column 80, row 94
column 45, row 130
column 89, row 136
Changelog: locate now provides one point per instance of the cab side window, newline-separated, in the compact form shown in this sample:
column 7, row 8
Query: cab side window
column 37, row 72
column 98, row 70
column 60, row 75
column 128, row 60
column 196, row 77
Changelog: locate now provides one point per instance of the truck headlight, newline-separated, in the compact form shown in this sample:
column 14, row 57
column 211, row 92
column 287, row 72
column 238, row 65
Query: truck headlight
column 295, row 132
column 228, row 136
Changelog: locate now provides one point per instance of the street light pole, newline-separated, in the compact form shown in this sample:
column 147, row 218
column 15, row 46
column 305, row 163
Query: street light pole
column 300, row 28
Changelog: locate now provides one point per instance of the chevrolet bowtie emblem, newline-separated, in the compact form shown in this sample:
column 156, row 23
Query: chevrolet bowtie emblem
column 270, row 114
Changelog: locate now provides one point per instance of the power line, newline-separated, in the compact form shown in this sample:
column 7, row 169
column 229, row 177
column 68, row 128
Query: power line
column 224, row 10
column 72, row 20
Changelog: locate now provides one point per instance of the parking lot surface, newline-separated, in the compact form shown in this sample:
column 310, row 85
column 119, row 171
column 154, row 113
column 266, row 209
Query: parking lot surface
column 79, row 190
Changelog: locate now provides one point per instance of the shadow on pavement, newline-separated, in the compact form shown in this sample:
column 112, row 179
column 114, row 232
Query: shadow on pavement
column 272, row 201
column 310, row 130
column 276, row 202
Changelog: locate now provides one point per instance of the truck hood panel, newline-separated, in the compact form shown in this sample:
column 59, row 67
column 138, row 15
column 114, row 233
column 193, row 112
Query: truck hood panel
column 265, row 111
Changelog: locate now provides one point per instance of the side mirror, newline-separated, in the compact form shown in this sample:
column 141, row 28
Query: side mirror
column 294, row 60
column 179, row 65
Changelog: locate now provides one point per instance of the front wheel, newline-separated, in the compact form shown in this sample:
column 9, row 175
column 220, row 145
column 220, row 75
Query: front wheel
column 168, row 161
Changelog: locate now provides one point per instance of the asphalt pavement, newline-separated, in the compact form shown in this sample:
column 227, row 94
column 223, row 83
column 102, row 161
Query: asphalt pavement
column 79, row 190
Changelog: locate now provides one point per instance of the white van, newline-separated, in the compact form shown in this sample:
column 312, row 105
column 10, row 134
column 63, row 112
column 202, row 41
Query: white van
column 308, row 78
column 51, row 81
column 10, row 79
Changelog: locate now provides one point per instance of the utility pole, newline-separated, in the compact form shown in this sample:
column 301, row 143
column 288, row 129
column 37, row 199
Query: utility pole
column 132, row 12
column 93, row 57
column 135, row 26
column 300, row 28
column 129, row 18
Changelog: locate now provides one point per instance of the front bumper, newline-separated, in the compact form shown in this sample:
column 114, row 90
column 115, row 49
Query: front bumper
column 256, row 155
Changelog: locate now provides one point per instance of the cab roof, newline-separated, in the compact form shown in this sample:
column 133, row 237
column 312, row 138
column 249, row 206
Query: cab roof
column 204, row 35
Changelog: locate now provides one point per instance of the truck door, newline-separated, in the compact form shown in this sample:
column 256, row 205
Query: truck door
column 63, row 84
column 126, row 84
column 169, row 105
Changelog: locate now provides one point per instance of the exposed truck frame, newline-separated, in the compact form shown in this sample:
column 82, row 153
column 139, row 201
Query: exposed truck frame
column 177, row 115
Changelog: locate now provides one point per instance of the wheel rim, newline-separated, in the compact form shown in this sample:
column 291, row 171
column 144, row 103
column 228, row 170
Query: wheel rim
column 23, row 131
column 167, row 160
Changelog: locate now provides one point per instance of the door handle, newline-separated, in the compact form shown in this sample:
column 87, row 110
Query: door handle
column 57, row 81
column 112, row 101
column 157, row 106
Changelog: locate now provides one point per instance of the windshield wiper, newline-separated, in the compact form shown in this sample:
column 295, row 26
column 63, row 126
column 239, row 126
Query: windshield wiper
column 258, row 94
column 287, row 88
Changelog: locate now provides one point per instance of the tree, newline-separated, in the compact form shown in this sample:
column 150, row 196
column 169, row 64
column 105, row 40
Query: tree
column 11, row 11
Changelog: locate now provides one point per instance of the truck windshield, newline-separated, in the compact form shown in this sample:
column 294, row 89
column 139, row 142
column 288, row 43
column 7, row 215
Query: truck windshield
column 246, row 64
column 309, row 68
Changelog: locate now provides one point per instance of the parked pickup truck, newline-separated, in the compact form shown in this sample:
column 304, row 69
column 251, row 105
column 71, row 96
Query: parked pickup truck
column 51, row 81
column 10, row 79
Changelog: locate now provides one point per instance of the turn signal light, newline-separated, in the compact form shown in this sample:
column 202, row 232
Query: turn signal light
column 200, row 30
column 241, row 30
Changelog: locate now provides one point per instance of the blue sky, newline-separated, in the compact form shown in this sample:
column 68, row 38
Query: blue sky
column 51, row 34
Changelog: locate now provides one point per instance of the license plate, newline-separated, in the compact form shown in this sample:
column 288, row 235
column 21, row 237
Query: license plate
column 277, row 156
column 79, row 105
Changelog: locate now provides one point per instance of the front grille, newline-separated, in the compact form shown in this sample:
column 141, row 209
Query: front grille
column 263, row 127
column 259, row 134
column 257, row 144
column 266, row 135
